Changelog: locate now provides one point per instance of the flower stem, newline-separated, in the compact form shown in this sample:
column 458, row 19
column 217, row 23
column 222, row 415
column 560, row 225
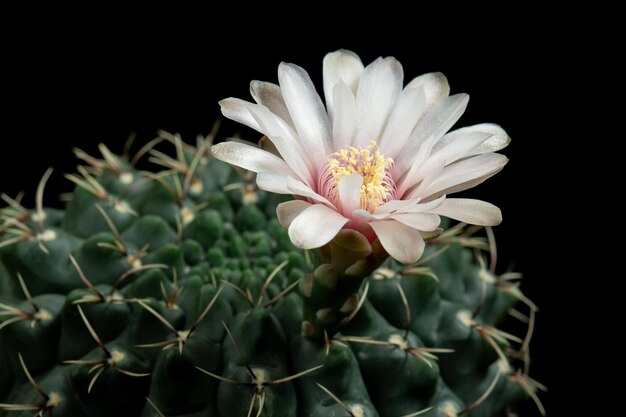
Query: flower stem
column 330, row 292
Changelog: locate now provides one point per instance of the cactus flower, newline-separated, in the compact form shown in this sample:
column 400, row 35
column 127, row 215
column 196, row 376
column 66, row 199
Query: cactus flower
column 376, row 158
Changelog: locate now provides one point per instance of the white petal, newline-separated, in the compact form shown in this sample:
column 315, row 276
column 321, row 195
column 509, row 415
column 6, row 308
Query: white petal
column 396, row 205
column 420, row 221
column 350, row 193
column 299, row 188
column 273, row 183
column 418, row 169
column 499, row 140
column 434, row 125
column 495, row 138
column 402, row 121
column 270, row 96
column 306, row 110
column 435, row 86
column 419, row 97
column 464, row 174
column 250, row 158
column 462, row 147
column 238, row 110
column 443, row 117
column 340, row 66
column 372, row 217
column 429, row 177
column 401, row 241
column 424, row 207
column 261, row 119
column 285, row 140
column 367, row 215
column 315, row 226
column 289, row 210
column 345, row 116
column 470, row 211
column 458, row 146
column 379, row 89
column 281, row 184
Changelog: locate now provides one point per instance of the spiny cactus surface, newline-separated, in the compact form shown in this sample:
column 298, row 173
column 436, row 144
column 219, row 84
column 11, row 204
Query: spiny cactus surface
column 177, row 293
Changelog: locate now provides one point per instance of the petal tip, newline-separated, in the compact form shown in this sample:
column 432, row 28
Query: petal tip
column 284, row 67
column 315, row 226
column 287, row 211
column 497, row 217
column 228, row 103
column 440, row 76
column 254, row 85
column 464, row 97
column 216, row 151
column 341, row 54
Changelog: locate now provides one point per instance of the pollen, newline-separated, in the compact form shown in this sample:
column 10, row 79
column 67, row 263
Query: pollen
column 371, row 165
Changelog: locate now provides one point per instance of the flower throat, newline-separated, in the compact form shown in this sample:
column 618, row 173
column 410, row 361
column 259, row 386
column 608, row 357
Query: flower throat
column 371, row 165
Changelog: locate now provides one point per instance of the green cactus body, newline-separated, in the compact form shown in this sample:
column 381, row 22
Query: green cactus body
column 178, row 294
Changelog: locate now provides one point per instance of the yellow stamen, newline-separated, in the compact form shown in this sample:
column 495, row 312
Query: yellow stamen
column 371, row 165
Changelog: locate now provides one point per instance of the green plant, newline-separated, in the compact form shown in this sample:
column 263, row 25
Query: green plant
column 177, row 293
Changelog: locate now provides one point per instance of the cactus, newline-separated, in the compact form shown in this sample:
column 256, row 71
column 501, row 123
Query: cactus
column 177, row 293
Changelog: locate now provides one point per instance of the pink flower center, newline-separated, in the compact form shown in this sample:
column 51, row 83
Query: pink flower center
column 375, row 169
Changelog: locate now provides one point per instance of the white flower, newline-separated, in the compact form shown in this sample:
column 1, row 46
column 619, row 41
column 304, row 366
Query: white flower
column 376, row 159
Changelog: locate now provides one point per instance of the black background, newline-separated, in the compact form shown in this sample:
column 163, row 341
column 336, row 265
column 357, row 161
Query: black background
column 77, row 85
